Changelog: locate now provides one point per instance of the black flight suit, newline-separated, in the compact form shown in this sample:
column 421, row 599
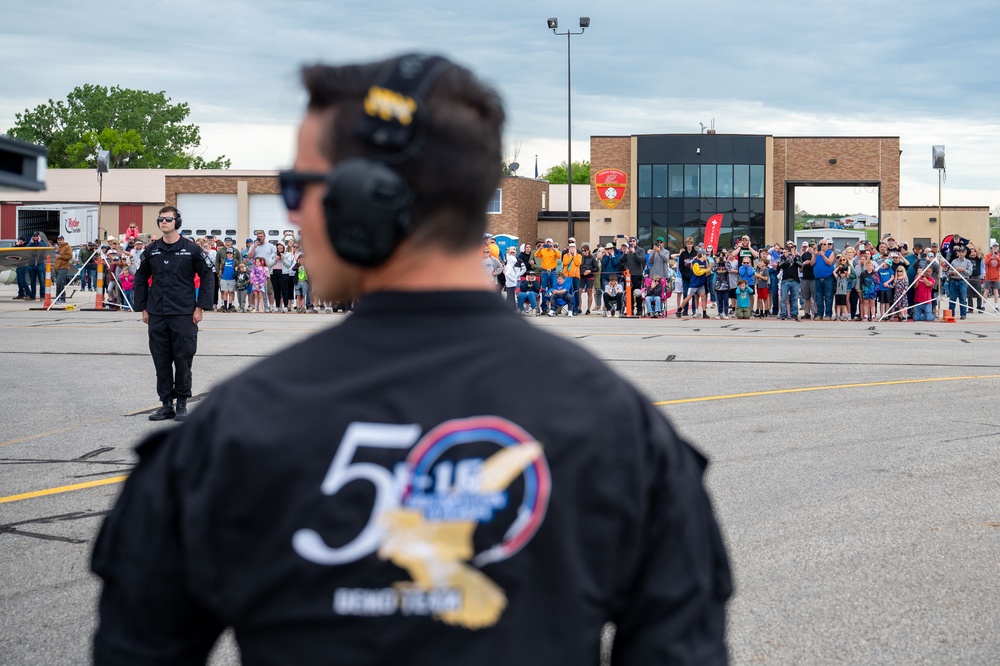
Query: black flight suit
column 420, row 510
column 170, row 301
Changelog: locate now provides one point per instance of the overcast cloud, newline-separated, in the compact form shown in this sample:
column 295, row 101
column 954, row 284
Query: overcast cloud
column 924, row 71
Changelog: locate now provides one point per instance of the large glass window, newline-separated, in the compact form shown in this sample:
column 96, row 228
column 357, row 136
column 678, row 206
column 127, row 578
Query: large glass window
column 741, row 181
column 691, row 188
column 708, row 180
column 675, row 187
column 645, row 180
column 659, row 181
column 495, row 206
column 724, row 184
column 757, row 181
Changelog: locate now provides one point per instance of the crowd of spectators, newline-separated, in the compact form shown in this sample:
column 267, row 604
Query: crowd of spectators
column 860, row 281
column 263, row 276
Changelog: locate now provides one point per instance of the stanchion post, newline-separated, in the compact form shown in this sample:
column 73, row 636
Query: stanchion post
column 99, row 302
column 48, row 283
column 628, row 293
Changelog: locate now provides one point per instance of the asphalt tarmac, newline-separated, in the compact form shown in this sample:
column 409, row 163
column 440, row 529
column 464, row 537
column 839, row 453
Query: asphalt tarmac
column 854, row 468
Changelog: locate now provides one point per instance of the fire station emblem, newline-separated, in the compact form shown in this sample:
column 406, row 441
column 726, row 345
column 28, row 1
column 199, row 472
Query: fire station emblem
column 610, row 184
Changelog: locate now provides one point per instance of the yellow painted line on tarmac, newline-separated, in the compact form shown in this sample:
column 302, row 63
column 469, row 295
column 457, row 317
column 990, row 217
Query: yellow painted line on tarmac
column 63, row 489
column 805, row 389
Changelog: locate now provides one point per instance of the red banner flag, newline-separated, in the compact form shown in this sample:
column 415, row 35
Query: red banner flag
column 713, row 228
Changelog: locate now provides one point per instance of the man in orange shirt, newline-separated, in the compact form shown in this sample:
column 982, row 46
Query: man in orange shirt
column 548, row 257
column 991, row 281
column 60, row 267
column 571, row 271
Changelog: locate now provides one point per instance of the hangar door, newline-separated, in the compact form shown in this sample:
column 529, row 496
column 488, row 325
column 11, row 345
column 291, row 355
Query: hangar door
column 204, row 214
column 268, row 212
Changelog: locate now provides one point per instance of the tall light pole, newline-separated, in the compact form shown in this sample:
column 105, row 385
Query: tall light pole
column 553, row 24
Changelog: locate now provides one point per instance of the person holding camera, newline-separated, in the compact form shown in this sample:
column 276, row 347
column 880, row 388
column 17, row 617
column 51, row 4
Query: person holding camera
column 788, row 268
column 418, row 510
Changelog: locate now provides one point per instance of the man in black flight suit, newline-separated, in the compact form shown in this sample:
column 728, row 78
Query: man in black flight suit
column 416, row 510
column 172, row 311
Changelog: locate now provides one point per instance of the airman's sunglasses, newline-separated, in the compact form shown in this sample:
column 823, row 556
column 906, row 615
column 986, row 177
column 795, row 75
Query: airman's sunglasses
column 293, row 185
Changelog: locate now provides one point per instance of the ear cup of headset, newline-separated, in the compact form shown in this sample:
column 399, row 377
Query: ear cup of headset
column 177, row 222
column 367, row 207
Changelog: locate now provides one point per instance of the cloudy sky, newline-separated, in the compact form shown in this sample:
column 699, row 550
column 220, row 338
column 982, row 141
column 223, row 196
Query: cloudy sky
column 921, row 70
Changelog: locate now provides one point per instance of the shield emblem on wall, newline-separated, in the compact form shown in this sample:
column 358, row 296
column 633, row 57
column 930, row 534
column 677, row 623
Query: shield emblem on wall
column 610, row 184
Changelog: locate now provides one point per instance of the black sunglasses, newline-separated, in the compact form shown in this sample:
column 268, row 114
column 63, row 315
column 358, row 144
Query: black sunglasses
column 293, row 184
column 165, row 219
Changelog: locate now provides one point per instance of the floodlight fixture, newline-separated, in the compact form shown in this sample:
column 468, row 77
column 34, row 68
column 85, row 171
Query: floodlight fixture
column 553, row 23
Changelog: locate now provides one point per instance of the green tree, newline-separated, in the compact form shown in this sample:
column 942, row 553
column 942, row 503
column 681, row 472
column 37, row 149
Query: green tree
column 142, row 129
column 557, row 174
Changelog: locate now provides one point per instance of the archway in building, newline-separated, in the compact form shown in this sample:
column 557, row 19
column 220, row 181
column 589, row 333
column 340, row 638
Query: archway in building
column 826, row 199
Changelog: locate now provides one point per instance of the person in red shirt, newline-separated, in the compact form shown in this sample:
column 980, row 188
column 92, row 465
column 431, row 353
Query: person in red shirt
column 991, row 279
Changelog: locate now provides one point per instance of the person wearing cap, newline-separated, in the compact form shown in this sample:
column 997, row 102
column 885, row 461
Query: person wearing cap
column 633, row 260
column 21, row 273
column 658, row 259
column 958, row 272
column 684, row 260
column 220, row 259
column 529, row 291
column 789, row 266
column 610, row 264
column 60, row 267
column 36, row 268
column 546, row 259
column 991, row 275
column 137, row 252
column 807, row 283
column 571, row 262
column 226, row 266
column 824, row 261
column 512, row 274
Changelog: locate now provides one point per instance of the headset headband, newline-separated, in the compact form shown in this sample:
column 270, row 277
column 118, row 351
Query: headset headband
column 392, row 117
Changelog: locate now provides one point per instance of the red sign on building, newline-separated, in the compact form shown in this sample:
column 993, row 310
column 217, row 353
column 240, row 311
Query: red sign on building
column 610, row 184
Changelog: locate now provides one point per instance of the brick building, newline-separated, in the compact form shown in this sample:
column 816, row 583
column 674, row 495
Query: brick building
column 677, row 181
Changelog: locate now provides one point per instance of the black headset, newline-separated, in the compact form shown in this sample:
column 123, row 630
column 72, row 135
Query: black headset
column 177, row 219
column 367, row 202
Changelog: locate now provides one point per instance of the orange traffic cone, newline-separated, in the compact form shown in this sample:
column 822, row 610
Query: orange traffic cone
column 948, row 316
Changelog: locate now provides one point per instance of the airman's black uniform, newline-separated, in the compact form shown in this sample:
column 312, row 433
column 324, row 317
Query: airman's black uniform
column 170, row 300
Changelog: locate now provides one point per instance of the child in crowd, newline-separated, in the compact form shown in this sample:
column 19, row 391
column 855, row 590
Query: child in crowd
column 678, row 282
column 762, row 276
column 127, row 281
column 899, row 283
column 744, row 296
column 842, row 276
column 242, row 280
column 885, row 273
column 923, row 296
column 721, row 271
column 746, row 273
column 258, row 278
column 697, row 287
column 614, row 297
column 869, row 291
column 301, row 285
